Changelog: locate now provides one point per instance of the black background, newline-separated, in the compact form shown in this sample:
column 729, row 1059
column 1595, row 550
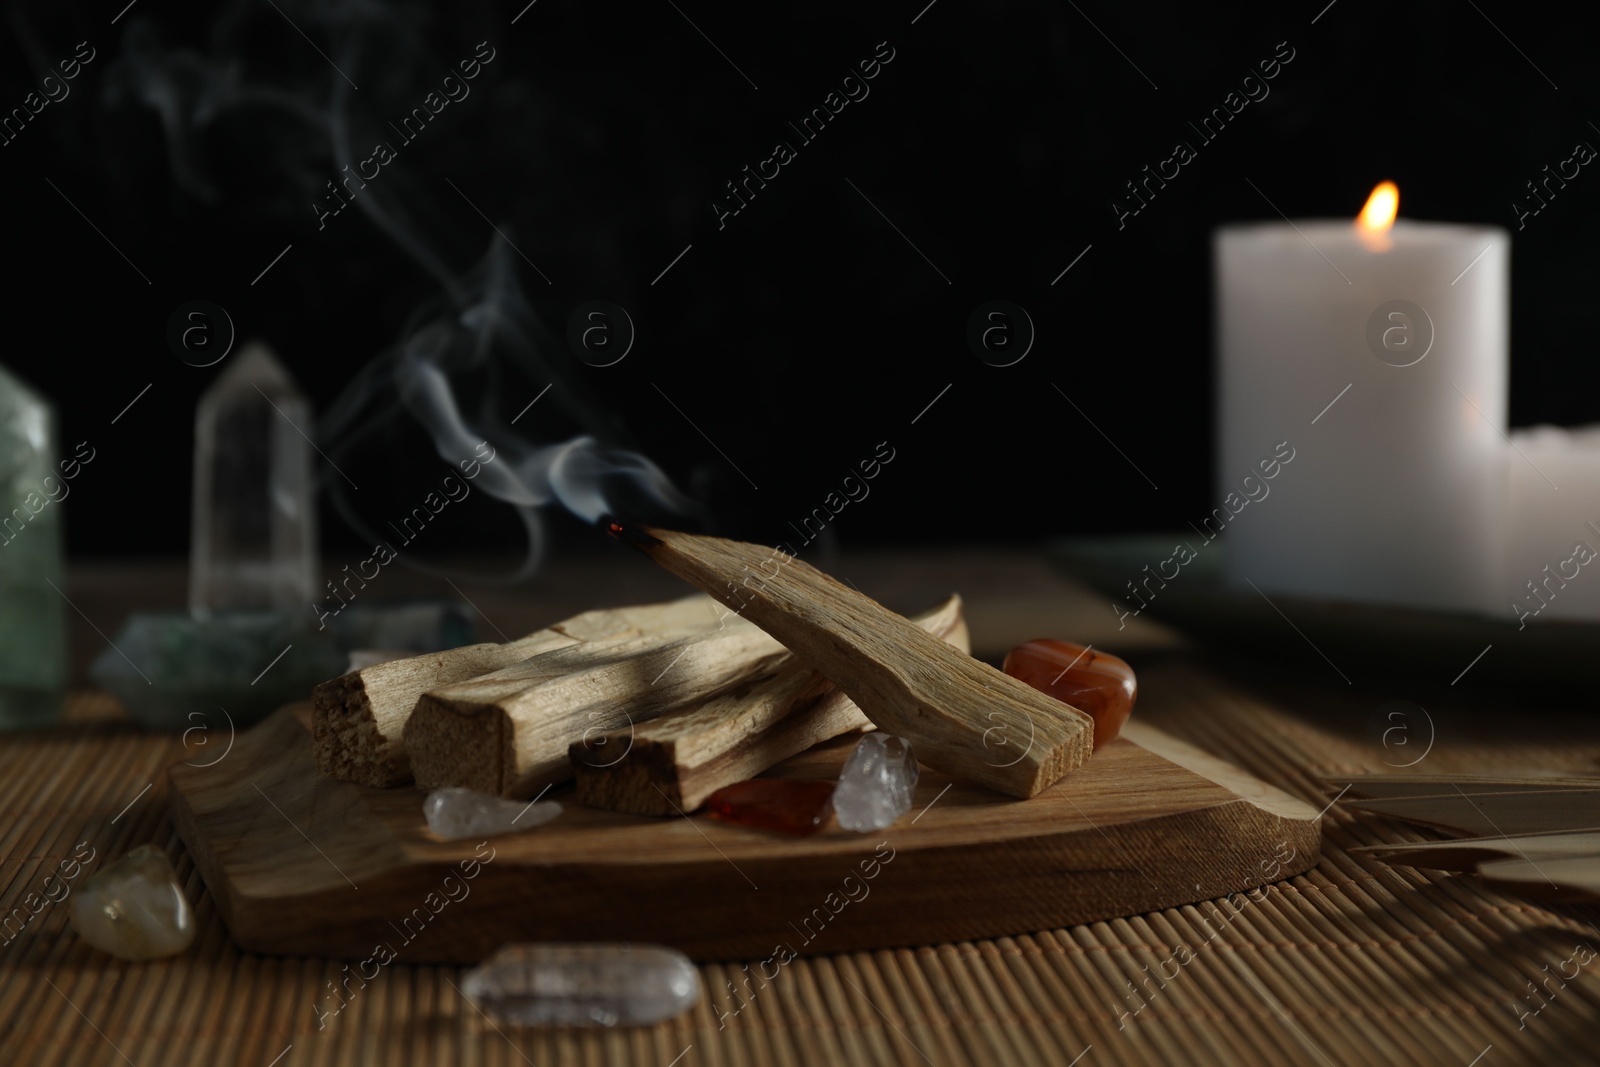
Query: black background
column 808, row 329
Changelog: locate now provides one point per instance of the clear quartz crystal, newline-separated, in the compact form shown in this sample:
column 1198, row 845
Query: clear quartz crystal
column 584, row 984
column 454, row 813
column 877, row 783
column 254, row 541
column 134, row 909
column 33, row 635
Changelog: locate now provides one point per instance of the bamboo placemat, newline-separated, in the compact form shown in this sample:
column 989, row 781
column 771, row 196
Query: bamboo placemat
column 1352, row 963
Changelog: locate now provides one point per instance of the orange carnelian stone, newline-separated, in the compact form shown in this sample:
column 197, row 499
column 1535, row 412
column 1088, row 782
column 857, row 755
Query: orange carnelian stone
column 1099, row 685
column 779, row 804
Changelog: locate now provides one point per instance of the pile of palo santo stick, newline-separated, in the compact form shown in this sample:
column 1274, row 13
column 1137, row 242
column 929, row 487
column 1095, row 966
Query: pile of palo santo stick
column 652, row 708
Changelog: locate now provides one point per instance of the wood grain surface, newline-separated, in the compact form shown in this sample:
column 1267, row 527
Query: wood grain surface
column 303, row 864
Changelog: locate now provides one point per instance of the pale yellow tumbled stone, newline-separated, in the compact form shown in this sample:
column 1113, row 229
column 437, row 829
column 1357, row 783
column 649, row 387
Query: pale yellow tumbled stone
column 135, row 909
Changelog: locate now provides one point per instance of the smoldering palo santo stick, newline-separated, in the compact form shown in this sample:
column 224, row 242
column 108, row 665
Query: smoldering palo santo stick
column 962, row 716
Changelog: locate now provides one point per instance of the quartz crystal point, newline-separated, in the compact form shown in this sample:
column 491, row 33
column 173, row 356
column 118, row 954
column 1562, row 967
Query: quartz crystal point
column 454, row 813
column 789, row 807
column 876, row 784
column 134, row 909
column 1099, row 685
column 254, row 521
column 584, row 984
column 33, row 634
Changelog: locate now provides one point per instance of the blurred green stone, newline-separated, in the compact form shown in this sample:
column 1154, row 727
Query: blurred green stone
column 173, row 671
column 33, row 635
column 167, row 667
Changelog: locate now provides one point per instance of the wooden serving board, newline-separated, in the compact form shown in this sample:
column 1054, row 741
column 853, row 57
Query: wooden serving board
column 302, row 865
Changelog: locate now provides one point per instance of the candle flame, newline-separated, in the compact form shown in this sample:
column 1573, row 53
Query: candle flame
column 1378, row 215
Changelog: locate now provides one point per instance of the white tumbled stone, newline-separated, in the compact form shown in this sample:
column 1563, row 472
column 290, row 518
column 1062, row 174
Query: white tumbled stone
column 134, row 909
column 877, row 783
column 584, row 984
column 454, row 813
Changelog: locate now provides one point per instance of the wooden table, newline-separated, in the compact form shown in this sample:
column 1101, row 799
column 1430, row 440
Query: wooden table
column 1352, row 963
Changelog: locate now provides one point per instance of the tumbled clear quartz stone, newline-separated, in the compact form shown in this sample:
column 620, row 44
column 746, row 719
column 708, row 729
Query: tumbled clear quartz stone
column 877, row 783
column 134, row 909
column 584, row 984
column 455, row 813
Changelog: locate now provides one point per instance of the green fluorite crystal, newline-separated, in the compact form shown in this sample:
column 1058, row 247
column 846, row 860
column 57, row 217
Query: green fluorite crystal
column 33, row 645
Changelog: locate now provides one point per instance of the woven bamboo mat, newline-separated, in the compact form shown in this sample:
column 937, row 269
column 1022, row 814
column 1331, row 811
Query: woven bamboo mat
column 1352, row 963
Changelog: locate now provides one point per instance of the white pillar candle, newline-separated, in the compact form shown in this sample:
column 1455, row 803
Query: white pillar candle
column 1553, row 560
column 1379, row 356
